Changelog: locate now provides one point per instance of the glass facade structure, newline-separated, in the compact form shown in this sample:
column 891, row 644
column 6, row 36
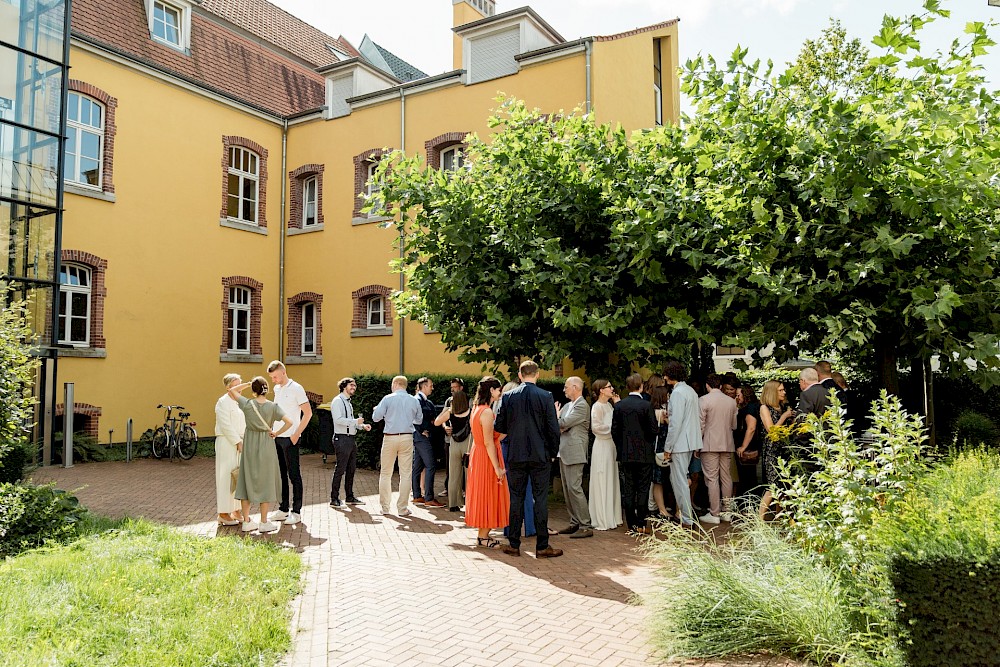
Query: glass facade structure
column 34, row 55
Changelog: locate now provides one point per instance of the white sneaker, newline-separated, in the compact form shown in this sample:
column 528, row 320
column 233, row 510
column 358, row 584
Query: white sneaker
column 278, row 516
column 727, row 517
column 292, row 519
column 709, row 518
column 249, row 526
column 405, row 512
column 268, row 527
column 442, row 494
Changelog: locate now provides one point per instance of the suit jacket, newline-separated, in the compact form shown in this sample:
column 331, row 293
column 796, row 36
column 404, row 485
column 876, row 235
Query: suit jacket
column 718, row 421
column 633, row 428
column 528, row 416
column 574, row 439
column 814, row 400
column 684, row 434
column 429, row 412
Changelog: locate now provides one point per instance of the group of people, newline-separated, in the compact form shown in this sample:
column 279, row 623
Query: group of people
column 651, row 449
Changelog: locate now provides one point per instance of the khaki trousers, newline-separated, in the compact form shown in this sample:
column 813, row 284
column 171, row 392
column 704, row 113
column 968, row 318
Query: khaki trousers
column 717, row 469
column 395, row 447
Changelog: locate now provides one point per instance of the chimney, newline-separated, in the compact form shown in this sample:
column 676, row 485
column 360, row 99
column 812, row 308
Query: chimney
column 467, row 11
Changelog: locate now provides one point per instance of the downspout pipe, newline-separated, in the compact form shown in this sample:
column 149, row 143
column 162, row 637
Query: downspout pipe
column 281, row 240
column 588, row 53
column 402, row 279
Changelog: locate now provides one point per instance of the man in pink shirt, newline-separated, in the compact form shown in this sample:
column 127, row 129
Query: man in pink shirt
column 718, row 420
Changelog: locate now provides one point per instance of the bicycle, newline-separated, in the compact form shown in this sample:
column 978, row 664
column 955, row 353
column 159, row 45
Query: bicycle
column 175, row 434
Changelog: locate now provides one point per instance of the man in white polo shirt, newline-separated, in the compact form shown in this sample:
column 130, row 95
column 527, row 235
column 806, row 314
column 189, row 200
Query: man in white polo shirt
column 290, row 395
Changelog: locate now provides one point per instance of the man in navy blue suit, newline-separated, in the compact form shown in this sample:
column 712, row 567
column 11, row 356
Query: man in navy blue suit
column 528, row 417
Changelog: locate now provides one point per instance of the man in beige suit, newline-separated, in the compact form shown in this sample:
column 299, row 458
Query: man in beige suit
column 574, row 440
column 718, row 420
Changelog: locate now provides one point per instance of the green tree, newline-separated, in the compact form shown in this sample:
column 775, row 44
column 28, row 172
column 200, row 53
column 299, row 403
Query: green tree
column 17, row 372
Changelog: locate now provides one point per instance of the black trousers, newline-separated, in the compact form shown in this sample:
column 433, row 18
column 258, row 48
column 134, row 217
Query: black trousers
column 346, row 449
column 518, row 475
column 635, row 479
column 288, row 467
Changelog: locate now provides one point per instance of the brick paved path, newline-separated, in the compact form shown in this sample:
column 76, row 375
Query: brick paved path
column 385, row 590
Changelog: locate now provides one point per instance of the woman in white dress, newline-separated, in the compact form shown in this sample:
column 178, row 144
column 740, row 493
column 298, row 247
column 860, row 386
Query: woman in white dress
column 230, row 424
column 605, row 493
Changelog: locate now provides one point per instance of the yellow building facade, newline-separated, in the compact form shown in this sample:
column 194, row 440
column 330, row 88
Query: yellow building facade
column 214, row 169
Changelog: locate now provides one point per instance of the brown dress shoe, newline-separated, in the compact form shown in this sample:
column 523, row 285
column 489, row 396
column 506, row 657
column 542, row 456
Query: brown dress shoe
column 569, row 530
column 549, row 552
column 583, row 532
column 512, row 551
column 432, row 503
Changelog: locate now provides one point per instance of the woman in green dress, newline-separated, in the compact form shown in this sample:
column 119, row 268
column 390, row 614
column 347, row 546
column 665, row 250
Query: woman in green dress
column 258, row 480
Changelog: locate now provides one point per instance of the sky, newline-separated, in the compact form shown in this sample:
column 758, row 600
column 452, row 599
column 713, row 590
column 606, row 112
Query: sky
column 419, row 31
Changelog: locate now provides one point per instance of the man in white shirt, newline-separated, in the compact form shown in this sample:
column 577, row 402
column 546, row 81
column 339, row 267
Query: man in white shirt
column 345, row 426
column 290, row 395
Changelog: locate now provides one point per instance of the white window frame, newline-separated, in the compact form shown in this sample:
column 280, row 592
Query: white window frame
column 658, row 101
column 182, row 8
column 68, row 294
column 75, row 129
column 308, row 351
column 236, row 153
column 240, row 299
column 376, row 305
column 371, row 187
column 459, row 157
column 312, row 181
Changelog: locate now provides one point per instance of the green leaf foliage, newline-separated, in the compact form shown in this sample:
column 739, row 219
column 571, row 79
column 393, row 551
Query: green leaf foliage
column 17, row 371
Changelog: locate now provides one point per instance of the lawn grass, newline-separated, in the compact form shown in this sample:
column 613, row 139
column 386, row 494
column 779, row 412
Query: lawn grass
column 147, row 595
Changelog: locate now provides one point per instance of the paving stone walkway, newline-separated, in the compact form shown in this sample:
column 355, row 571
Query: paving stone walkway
column 385, row 590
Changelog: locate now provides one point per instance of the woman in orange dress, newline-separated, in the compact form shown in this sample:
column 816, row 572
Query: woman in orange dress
column 487, row 498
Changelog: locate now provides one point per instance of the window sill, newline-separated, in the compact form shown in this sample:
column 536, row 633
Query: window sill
column 244, row 226
column 298, row 360
column 367, row 220
column 88, row 192
column 83, row 352
column 295, row 231
column 362, row 333
column 240, row 358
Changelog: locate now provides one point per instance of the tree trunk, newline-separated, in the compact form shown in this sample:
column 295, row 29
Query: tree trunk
column 887, row 366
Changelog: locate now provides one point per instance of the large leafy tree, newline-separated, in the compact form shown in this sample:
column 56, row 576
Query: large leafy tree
column 859, row 195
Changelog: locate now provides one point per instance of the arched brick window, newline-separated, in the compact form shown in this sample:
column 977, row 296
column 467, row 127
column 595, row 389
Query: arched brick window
column 244, row 183
column 241, row 316
column 81, row 304
column 364, row 165
column 451, row 145
column 91, row 128
column 373, row 313
column 305, row 328
column 86, row 418
column 305, row 203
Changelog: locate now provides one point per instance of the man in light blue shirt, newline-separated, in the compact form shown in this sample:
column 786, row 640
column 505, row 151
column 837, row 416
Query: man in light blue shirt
column 683, row 436
column 401, row 412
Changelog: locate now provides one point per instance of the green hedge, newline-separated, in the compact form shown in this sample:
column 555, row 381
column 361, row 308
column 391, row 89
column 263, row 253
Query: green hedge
column 14, row 460
column 32, row 515
column 945, row 563
column 371, row 389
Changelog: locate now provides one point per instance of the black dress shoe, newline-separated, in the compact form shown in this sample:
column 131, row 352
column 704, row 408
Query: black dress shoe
column 336, row 503
column 586, row 532
column 569, row 530
column 456, row 508
column 354, row 501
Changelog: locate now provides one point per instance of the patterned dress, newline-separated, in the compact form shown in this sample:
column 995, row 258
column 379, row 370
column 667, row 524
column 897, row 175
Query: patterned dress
column 771, row 451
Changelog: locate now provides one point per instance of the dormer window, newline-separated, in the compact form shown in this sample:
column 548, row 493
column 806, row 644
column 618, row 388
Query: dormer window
column 170, row 22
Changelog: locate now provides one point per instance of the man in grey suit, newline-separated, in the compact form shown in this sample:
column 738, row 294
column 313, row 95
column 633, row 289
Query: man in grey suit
column 683, row 436
column 574, row 439
column 814, row 400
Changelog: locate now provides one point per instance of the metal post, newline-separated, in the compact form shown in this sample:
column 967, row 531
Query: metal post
column 128, row 441
column 68, row 425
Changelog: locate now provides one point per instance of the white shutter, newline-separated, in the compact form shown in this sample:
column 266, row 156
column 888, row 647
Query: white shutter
column 340, row 90
column 492, row 56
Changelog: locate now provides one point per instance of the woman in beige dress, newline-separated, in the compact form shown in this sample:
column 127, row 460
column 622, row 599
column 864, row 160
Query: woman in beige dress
column 259, row 481
column 229, row 427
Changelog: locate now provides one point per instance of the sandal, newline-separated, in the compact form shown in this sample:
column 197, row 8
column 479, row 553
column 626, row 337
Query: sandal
column 487, row 542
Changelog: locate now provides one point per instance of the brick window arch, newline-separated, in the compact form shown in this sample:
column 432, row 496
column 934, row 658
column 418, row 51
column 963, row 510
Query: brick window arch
column 237, row 179
column 305, row 183
column 362, row 166
column 109, row 106
column 434, row 147
column 299, row 324
column 86, row 417
column 368, row 301
column 96, row 267
column 232, row 347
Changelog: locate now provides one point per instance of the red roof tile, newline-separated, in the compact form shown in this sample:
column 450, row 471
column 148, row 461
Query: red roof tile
column 219, row 60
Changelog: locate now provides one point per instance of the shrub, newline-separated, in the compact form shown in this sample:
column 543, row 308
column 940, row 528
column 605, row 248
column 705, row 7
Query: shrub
column 973, row 428
column 17, row 371
column 33, row 515
column 14, row 461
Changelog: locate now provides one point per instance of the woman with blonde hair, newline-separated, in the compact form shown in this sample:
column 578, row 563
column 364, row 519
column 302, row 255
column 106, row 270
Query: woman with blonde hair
column 259, row 481
column 772, row 402
column 229, row 427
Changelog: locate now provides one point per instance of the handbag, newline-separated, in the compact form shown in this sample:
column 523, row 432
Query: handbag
column 463, row 433
column 749, row 456
column 662, row 458
column 234, row 476
column 465, row 460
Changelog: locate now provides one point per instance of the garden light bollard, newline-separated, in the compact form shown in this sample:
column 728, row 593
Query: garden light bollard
column 68, row 426
column 128, row 441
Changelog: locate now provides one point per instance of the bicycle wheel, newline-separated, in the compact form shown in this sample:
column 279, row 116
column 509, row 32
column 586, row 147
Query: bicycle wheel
column 160, row 442
column 187, row 442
